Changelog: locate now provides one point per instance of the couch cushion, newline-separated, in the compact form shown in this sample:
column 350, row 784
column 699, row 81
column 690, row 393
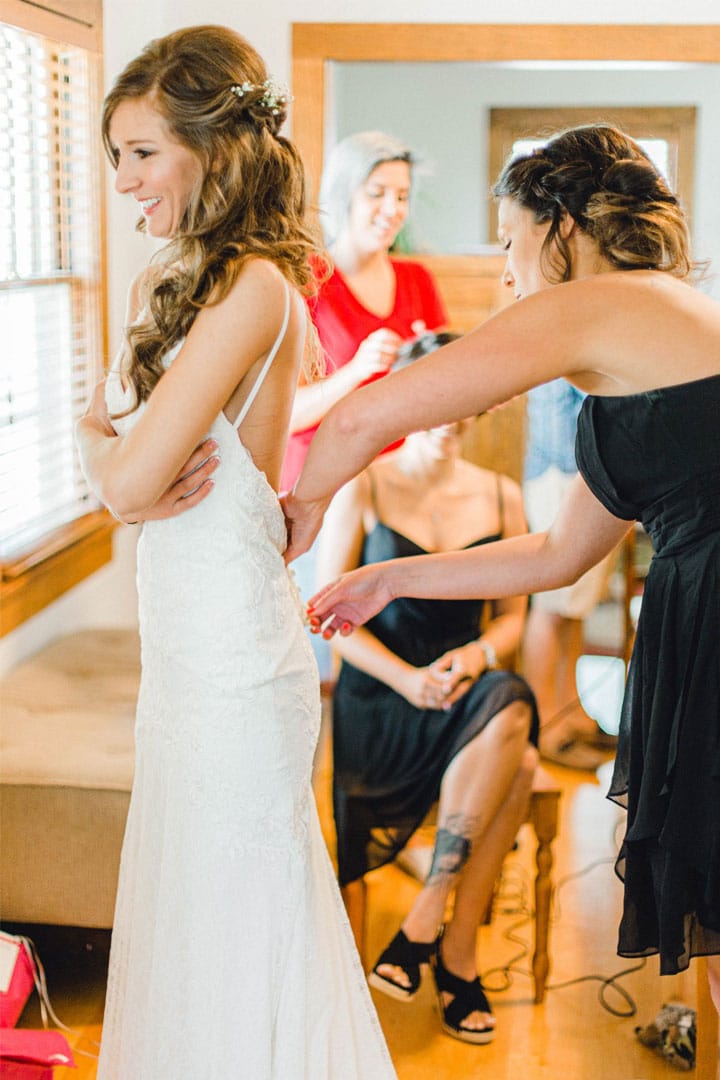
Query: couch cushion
column 68, row 713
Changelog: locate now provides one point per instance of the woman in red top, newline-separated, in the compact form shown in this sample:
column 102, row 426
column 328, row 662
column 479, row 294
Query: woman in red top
column 368, row 306
column 372, row 302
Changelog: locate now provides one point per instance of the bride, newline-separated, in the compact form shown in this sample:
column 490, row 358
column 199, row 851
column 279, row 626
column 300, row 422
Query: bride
column 231, row 954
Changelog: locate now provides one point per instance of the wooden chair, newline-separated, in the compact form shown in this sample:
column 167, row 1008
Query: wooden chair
column 543, row 813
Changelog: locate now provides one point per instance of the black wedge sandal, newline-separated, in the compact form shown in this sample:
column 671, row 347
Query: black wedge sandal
column 468, row 997
column 405, row 954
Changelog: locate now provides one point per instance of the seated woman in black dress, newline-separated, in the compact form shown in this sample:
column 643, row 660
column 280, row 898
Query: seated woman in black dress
column 424, row 710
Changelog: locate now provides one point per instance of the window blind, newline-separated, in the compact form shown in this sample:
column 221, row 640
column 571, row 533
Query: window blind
column 50, row 299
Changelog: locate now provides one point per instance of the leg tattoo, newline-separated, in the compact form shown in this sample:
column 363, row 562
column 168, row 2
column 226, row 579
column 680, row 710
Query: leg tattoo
column 451, row 852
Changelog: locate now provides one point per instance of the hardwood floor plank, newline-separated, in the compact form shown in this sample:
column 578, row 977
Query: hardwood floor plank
column 570, row 1035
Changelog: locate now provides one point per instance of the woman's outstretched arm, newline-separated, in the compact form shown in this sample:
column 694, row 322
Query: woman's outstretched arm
column 340, row 549
column 516, row 349
column 609, row 334
column 583, row 532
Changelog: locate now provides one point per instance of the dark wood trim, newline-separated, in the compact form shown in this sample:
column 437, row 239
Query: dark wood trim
column 77, row 22
column 498, row 41
column 62, row 560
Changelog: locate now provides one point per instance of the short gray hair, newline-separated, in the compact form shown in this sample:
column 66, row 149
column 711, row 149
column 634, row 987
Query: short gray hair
column 349, row 164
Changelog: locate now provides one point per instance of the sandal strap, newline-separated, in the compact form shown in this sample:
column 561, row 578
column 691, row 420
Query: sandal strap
column 472, row 999
column 408, row 955
column 453, row 984
column 468, row 994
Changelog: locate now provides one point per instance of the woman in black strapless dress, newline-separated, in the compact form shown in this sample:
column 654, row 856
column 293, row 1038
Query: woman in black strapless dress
column 598, row 253
column 655, row 457
column 424, row 711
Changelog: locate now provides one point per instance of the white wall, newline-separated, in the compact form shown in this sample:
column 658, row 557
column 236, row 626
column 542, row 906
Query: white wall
column 107, row 599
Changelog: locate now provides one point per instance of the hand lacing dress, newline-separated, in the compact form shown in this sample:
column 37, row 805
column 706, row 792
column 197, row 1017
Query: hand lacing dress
column 231, row 958
column 655, row 457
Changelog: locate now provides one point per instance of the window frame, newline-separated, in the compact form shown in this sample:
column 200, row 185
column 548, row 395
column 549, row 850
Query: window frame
column 68, row 554
column 674, row 123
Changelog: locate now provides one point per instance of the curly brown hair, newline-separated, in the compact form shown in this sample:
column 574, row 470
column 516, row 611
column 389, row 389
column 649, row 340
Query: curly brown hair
column 250, row 202
column 608, row 184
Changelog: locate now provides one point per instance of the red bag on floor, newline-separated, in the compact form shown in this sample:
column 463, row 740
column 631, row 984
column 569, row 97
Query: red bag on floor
column 32, row 1055
column 17, row 978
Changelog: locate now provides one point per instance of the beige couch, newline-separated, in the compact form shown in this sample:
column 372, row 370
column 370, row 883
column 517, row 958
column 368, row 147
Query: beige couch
column 66, row 765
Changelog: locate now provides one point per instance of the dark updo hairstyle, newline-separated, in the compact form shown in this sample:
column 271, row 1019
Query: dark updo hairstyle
column 610, row 187
column 212, row 90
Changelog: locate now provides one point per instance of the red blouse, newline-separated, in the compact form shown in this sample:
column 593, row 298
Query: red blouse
column 343, row 323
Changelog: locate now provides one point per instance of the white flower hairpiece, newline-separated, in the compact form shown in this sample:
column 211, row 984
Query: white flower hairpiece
column 275, row 94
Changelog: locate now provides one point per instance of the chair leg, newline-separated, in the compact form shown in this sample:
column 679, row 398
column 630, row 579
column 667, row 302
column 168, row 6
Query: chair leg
column 355, row 898
column 706, row 1051
column 544, row 819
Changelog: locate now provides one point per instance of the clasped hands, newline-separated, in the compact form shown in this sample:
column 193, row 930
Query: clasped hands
column 441, row 683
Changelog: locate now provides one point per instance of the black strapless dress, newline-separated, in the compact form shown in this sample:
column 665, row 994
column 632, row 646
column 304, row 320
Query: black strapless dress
column 390, row 757
column 655, row 457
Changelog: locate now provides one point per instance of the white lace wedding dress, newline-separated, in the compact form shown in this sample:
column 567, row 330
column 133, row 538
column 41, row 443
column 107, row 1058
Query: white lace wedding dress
column 232, row 958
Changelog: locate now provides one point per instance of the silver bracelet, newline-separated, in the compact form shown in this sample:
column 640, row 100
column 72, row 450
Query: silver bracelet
column 491, row 657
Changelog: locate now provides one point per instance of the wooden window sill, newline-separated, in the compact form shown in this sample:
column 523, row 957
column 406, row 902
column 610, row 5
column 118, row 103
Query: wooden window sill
column 62, row 560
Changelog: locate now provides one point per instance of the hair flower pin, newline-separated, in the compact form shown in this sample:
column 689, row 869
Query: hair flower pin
column 275, row 95
column 242, row 90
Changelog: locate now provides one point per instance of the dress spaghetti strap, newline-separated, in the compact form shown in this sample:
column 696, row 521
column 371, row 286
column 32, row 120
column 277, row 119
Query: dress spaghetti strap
column 266, row 366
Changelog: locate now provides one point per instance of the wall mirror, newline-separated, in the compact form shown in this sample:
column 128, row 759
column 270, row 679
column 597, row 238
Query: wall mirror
column 435, row 85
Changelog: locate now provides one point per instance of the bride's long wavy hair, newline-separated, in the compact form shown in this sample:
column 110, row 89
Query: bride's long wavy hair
column 211, row 88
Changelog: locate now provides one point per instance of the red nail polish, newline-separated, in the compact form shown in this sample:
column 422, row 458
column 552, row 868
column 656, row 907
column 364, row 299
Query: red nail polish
column 345, row 627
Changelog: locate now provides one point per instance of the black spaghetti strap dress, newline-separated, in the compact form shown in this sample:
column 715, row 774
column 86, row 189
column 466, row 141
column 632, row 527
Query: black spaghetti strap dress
column 389, row 756
column 655, row 457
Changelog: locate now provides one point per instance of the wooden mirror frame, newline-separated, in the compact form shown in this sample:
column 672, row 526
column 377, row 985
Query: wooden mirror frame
column 315, row 44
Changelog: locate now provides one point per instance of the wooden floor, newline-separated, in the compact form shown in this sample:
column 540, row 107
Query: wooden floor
column 571, row 1035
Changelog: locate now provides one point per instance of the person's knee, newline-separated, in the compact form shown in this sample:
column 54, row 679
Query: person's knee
column 513, row 722
column 528, row 764
column 523, row 780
